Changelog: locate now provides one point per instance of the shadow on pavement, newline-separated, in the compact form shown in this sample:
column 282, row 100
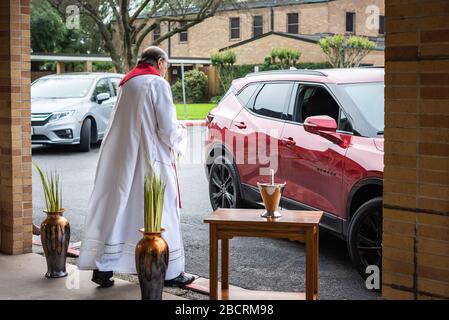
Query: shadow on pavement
column 59, row 149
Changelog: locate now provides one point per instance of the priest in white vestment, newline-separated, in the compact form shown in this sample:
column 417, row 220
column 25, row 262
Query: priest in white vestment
column 143, row 134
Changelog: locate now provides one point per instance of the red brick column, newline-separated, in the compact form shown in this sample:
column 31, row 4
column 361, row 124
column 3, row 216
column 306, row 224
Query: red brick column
column 15, row 128
column 416, row 189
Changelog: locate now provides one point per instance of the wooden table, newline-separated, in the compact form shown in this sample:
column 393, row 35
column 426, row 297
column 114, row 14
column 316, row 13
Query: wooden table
column 294, row 225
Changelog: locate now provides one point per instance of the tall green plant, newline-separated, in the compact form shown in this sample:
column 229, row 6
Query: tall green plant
column 343, row 52
column 52, row 190
column 282, row 58
column 154, row 190
column 224, row 62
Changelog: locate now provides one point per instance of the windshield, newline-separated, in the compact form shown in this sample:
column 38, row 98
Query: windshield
column 60, row 88
column 369, row 99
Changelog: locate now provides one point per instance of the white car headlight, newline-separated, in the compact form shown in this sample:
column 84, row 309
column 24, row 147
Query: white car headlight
column 59, row 115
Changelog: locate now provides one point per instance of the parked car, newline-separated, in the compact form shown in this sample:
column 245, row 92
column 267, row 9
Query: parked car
column 72, row 108
column 328, row 127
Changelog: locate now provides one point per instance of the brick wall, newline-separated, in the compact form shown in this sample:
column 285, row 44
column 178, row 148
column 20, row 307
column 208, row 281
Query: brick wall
column 15, row 128
column 416, row 189
column 363, row 25
column 256, row 51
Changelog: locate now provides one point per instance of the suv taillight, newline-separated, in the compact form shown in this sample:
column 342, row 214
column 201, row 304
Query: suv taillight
column 209, row 118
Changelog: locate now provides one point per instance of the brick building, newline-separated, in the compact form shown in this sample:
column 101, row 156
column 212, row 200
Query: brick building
column 254, row 28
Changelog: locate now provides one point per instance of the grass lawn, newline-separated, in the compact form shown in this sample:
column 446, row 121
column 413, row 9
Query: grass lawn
column 197, row 111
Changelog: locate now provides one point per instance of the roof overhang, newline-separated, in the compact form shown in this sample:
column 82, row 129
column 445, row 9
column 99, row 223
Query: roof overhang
column 98, row 58
column 68, row 58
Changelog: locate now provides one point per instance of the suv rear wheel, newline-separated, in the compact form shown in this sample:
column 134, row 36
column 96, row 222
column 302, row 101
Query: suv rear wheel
column 365, row 236
column 224, row 189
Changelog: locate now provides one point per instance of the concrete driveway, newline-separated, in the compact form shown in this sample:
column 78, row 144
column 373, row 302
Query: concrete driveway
column 259, row 264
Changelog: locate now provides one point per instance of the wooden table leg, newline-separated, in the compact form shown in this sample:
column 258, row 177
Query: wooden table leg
column 213, row 263
column 310, row 265
column 224, row 264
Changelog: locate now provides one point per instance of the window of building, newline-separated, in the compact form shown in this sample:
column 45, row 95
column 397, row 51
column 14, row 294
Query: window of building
column 183, row 35
column 270, row 101
column 293, row 23
column 157, row 32
column 350, row 22
column 234, row 24
column 381, row 24
column 257, row 26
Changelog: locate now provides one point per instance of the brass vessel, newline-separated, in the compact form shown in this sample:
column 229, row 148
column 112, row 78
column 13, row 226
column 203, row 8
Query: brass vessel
column 151, row 263
column 271, row 195
column 55, row 237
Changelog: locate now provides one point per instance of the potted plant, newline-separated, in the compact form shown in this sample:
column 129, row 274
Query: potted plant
column 152, row 251
column 55, row 229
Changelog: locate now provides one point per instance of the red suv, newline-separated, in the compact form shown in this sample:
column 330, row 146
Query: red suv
column 321, row 131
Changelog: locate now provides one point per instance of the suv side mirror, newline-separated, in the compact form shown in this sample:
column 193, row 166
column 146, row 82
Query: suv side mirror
column 318, row 124
column 102, row 97
column 326, row 127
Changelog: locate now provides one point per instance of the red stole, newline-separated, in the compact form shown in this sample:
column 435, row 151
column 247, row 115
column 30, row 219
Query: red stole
column 139, row 70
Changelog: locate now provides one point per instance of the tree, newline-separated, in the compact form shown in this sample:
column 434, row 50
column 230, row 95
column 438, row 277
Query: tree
column 282, row 58
column 224, row 62
column 50, row 34
column 47, row 28
column 345, row 52
column 130, row 21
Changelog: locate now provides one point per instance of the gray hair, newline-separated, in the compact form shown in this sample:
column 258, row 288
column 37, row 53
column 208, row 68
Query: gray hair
column 152, row 55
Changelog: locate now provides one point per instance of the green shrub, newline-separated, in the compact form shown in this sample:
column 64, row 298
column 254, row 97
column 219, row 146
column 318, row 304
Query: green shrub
column 282, row 58
column 346, row 52
column 224, row 62
column 195, row 87
column 215, row 100
column 100, row 66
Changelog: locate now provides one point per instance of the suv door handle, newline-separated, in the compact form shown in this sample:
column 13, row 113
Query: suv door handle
column 240, row 125
column 288, row 141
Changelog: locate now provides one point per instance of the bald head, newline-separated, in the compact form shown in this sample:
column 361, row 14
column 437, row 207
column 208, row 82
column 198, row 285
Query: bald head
column 152, row 55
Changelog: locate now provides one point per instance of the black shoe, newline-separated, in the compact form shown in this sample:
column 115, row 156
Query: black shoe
column 103, row 278
column 180, row 281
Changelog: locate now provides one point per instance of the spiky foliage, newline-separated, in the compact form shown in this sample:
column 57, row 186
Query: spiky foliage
column 154, row 190
column 52, row 189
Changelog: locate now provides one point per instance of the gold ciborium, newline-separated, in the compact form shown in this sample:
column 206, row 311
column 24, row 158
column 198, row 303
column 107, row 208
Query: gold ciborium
column 271, row 195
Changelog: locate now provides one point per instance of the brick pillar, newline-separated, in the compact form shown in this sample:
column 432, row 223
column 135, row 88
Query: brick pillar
column 15, row 128
column 60, row 67
column 88, row 66
column 416, row 189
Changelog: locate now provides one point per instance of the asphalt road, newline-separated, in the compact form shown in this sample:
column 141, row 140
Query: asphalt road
column 259, row 264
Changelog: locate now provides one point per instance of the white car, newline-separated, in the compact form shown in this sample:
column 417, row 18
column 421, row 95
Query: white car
column 72, row 108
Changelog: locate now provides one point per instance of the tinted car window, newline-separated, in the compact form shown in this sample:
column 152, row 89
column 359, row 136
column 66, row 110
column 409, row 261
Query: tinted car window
column 343, row 123
column 115, row 82
column 245, row 95
column 270, row 100
column 102, row 87
column 316, row 101
column 369, row 99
